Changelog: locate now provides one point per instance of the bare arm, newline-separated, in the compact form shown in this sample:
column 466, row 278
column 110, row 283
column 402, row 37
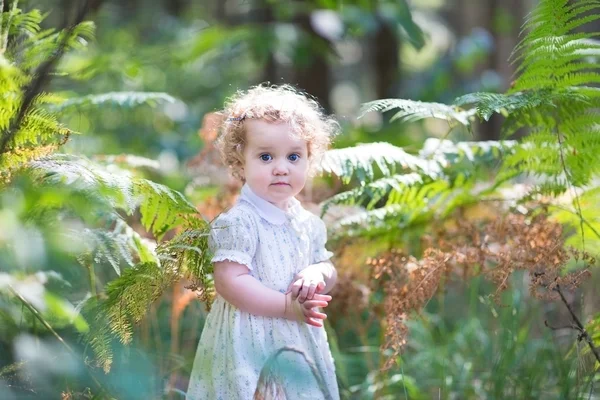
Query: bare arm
column 234, row 283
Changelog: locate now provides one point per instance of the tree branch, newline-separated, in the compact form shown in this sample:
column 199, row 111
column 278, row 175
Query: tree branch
column 579, row 326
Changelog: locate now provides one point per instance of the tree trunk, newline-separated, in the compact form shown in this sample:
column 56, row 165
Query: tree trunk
column 386, row 62
column 314, row 78
column 175, row 7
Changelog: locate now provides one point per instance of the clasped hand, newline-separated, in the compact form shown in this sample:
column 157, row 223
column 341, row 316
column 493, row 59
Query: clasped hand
column 304, row 294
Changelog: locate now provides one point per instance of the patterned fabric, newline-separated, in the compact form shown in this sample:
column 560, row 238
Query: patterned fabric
column 234, row 345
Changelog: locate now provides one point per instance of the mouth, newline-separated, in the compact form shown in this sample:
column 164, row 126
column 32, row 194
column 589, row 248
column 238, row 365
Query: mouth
column 280, row 184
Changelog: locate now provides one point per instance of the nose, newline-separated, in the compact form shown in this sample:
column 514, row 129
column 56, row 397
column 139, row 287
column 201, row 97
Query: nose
column 280, row 168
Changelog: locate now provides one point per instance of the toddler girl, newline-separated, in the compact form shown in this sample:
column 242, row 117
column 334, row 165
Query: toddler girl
column 271, row 268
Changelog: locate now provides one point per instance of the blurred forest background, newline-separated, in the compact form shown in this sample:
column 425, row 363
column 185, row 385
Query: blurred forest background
column 134, row 97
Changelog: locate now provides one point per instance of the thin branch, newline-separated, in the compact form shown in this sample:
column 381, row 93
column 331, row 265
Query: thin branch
column 557, row 328
column 579, row 326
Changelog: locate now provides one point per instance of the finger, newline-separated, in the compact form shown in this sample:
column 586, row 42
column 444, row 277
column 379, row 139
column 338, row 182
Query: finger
column 296, row 279
column 314, row 314
column 314, row 303
column 311, row 291
column 322, row 297
column 320, row 287
column 313, row 322
column 296, row 286
column 303, row 293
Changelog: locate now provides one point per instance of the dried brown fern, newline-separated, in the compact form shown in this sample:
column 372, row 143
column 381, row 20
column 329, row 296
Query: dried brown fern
column 492, row 246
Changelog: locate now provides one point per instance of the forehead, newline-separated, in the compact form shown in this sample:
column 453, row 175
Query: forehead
column 260, row 133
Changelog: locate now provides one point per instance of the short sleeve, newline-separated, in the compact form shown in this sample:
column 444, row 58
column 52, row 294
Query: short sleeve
column 318, row 251
column 233, row 237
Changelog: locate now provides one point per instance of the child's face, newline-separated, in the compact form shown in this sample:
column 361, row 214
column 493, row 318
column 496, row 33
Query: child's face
column 275, row 162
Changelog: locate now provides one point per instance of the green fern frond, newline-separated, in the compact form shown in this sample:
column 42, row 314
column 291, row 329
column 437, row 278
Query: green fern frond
column 188, row 256
column 489, row 103
column 103, row 246
column 23, row 23
column 454, row 164
column 130, row 295
column 117, row 247
column 373, row 222
column 373, row 192
column 100, row 336
column 411, row 110
column 118, row 99
column 161, row 207
column 34, row 49
column 549, row 54
column 406, row 208
column 359, row 161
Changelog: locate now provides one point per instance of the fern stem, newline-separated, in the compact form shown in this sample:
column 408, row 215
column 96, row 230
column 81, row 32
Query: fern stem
column 571, row 187
column 92, row 273
column 40, row 318
column 583, row 220
column 37, row 315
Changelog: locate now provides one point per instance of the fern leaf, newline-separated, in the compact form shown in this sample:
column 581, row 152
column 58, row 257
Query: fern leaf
column 115, row 99
column 489, row 103
column 162, row 208
column 117, row 247
column 374, row 191
column 359, row 161
column 447, row 153
column 411, row 110
column 99, row 337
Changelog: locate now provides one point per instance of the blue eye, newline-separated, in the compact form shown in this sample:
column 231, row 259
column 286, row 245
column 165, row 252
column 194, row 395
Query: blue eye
column 266, row 157
column 294, row 157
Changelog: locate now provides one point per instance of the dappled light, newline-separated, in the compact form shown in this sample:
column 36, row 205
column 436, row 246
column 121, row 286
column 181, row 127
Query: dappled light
column 268, row 199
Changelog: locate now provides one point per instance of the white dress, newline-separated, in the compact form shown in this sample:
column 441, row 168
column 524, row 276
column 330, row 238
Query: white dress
column 275, row 245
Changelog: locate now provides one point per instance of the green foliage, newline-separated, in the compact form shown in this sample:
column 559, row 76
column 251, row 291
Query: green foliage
column 554, row 103
column 162, row 208
column 490, row 103
column 24, row 49
column 128, row 297
column 475, row 349
column 69, row 220
column 411, row 111
column 440, row 178
column 553, row 97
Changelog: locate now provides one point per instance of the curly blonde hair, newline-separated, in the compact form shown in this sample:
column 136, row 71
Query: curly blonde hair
column 275, row 104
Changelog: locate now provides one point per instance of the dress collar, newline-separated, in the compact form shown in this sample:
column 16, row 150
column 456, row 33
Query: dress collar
column 268, row 211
